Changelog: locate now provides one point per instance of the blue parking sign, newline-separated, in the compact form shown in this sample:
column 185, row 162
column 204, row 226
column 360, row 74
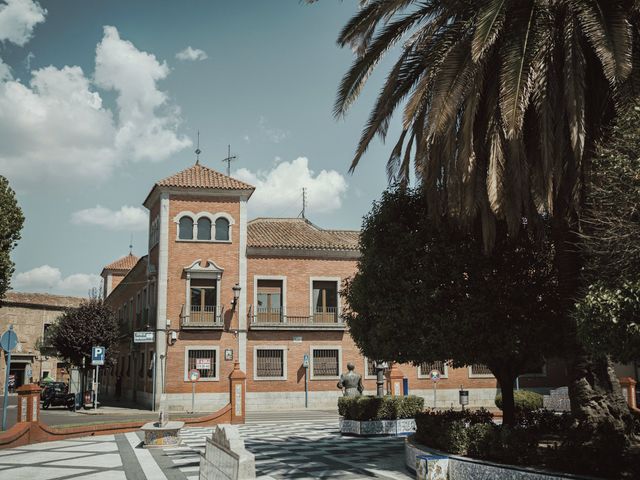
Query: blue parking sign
column 97, row 355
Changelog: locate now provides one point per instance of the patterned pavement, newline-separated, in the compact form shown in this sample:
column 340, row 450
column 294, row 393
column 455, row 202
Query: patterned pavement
column 303, row 450
column 311, row 448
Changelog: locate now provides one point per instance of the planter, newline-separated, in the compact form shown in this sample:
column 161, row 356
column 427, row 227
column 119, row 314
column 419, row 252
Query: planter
column 454, row 467
column 399, row 427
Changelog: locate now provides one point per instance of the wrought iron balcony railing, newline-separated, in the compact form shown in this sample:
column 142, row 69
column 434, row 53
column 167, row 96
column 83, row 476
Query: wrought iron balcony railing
column 196, row 316
column 292, row 318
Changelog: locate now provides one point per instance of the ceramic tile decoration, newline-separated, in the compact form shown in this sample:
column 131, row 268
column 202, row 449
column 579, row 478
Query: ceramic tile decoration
column 399, row 427
column 432, row 467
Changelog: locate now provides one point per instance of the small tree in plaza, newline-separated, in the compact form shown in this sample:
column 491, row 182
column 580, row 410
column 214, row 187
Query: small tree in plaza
column 11, row 221
column 425, row 292
column 91, row 324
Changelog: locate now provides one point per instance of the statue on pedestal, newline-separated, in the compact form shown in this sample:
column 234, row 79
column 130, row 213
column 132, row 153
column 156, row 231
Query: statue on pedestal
column 351, row 382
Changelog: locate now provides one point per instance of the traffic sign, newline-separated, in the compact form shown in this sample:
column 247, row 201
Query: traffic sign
column 194, row 375
column 9, row 340
column 305, row 361
column 144, row 337
column 435, row 375
column 97, row 355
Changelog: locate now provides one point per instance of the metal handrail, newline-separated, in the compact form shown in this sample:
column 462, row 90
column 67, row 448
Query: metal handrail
column 294, row 316
column 202, row 317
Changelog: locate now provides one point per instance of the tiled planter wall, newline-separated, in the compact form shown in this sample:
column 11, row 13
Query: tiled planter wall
column 400, row 427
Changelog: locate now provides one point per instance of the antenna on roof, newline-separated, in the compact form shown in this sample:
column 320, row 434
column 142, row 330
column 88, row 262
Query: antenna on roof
column 131, row 245
column 197, row 150
column 230, row 158
column 304, row 203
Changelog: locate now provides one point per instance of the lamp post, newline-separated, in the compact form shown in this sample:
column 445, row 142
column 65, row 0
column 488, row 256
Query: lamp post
column 380, row 367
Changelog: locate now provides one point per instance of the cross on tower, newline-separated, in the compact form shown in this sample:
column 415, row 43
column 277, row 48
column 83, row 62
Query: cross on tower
column 230, row 158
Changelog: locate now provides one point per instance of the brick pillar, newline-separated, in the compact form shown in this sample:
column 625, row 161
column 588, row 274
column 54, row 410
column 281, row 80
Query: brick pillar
column 394, row 380
column 28, row 403
column 629, row 384
column 237, row 381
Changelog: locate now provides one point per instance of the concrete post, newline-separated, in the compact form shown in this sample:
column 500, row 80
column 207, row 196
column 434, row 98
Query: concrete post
column 629, row 385
column 237, row 382
column 28, row 403
column 394, row 377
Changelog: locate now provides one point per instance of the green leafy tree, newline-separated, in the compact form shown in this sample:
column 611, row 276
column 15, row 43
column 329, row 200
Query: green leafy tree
column 425, row 293
column 91, row 324
column 501, row 103
column 11, row 221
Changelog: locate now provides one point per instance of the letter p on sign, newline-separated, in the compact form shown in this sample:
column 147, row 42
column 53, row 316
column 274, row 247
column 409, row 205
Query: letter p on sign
column 97, row 355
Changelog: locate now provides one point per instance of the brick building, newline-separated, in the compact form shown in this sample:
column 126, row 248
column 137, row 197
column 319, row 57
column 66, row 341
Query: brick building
column 218, row 288
column 31, row 314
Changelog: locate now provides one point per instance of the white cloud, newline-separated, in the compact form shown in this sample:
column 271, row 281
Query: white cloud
column 18, row 19
column 192, row 54
column 280, row 189
column 275, row 135
column 57, row 127
column 49, row 279
column 127, row 218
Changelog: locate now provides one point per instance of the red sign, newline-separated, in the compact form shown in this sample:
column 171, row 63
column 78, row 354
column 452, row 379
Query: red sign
column 194, row 375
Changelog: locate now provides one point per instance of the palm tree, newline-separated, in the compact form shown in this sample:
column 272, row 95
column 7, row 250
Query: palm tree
column 501, row 104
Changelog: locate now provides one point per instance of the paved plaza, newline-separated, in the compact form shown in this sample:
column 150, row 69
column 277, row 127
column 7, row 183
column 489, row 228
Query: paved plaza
column 283, row 450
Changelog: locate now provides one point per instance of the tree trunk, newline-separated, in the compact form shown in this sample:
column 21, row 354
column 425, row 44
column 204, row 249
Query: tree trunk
column 508, row 400
column 594, row 390
column 596, row 396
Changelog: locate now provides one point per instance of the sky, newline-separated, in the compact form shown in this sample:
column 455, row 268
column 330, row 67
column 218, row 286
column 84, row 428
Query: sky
column 100, row 99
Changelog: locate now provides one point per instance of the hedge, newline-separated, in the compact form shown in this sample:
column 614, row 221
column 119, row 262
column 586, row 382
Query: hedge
column 525, row 400
column 447, row 430
column 379, row 408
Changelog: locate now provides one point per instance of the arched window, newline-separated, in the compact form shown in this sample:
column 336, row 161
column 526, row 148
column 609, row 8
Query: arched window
column 204, row 229
column 185, row 231
column 222, row 229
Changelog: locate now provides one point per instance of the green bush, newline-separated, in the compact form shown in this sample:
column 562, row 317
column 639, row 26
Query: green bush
column 379, row 408
column 525, row 400
column 482, row 440
column 447, row 430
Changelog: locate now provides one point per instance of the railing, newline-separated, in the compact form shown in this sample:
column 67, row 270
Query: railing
column 209, row 316
column 294, row 317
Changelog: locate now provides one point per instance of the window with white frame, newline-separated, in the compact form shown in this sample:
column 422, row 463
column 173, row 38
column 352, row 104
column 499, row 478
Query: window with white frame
column 425, row 369
column 369, row 368
column 203, row 359
column 185, row 228
column 479, row 370
column 154, row 232
column 204, row 228
column 222, row 229
column 325, row 362
column 270, row 363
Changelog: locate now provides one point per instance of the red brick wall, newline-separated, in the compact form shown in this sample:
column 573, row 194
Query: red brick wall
column 182, row 254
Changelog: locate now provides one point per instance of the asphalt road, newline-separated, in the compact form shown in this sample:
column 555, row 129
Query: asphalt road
column 61, row 416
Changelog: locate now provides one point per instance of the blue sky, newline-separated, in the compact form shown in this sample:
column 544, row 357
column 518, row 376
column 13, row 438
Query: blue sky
column 99, row 99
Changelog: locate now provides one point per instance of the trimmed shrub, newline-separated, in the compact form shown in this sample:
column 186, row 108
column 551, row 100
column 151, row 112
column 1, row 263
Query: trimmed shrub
column 482, row 440
column 379, row 408
column 525, row 400
column 447, row 430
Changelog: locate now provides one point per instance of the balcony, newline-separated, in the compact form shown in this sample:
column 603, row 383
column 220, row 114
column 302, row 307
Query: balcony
column 261, row 318
column 198, row 317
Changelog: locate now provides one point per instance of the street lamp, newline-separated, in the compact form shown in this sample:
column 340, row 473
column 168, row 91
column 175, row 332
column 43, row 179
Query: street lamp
column 380, row 367
column 236, row 294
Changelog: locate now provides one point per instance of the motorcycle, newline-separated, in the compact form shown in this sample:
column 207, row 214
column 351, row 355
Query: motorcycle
column 58, row 398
